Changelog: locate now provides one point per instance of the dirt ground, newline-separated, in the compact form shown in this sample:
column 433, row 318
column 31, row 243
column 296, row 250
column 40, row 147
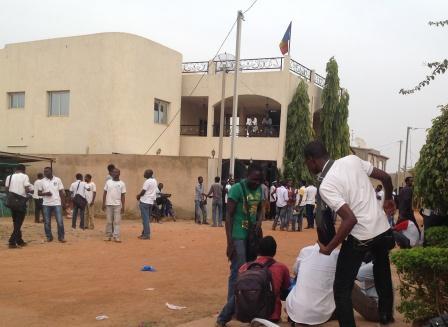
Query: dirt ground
column 54, row 284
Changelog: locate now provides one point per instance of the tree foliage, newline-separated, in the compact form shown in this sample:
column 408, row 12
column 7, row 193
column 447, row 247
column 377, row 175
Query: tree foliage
column 431, row 171
column 298, row 135
column 436, row 67
column 334, row 130
column 423, row 273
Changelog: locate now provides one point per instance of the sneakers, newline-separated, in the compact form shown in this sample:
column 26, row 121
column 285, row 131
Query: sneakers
column 141, row 237
column 117, row 240
column 22, row 244
column 62, row 241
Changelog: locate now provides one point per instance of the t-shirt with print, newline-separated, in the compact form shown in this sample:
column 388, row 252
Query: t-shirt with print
column 89, row 194
column 53, row 186
column 242, row 220
column 114, row 191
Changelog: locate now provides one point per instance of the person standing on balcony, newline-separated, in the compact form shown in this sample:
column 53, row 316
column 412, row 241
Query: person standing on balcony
column 216, row 193
column 200, row 202
column 266, row 123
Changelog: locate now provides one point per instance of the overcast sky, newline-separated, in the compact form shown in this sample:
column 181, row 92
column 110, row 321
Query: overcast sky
column 380, row 46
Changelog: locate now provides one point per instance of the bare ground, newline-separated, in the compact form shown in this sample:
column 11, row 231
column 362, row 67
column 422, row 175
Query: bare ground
column 53, row 284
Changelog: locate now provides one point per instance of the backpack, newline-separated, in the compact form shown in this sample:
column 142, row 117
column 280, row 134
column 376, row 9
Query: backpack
column 441, row 321
column 254, row 292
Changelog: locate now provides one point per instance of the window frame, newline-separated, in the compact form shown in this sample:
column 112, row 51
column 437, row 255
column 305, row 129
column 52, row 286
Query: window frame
column 156, row 112
column 50, row 99
column 11, row 102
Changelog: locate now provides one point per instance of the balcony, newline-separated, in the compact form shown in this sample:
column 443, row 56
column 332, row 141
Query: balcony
column 255, row 64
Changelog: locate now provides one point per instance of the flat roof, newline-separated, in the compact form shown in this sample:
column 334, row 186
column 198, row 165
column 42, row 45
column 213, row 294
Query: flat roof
column 9, row 157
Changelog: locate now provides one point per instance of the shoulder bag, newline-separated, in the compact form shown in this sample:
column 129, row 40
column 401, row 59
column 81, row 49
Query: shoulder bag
column 325, row 217
column 14, row 201
column 78, row 200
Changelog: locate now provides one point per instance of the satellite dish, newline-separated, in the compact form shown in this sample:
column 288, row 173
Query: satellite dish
column 225, row 60
column 360, row 143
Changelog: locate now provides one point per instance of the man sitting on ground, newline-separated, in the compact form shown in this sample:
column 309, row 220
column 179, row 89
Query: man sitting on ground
column 280, row 274
column 406, row 233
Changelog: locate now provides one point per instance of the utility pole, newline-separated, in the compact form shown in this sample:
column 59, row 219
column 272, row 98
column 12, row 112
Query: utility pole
column 399, row 167
column 408, row 129
column 235, row 92
column 221, row 118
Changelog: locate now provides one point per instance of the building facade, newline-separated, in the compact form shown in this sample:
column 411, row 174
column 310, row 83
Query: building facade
column 120, row 93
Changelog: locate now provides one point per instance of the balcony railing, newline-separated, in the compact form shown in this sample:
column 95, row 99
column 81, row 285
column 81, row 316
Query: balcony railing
column 241, row 131
column 301, row 70
column 256, row 64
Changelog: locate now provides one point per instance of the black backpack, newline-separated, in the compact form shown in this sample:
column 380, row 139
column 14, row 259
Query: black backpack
column 441, row 321
column 254, row 292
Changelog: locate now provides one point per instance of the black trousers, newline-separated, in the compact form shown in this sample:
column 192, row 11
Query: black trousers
column 17, row 219
column 38, row 210
column 350, row 257
column 273, row 210
column 309, row 211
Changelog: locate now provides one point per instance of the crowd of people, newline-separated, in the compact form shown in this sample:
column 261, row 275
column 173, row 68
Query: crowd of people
column 344, row 270
column 50, row 199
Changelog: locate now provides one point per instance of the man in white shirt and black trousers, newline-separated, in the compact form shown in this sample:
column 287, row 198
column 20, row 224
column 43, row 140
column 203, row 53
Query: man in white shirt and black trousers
column 19, row 185
column 347, row 190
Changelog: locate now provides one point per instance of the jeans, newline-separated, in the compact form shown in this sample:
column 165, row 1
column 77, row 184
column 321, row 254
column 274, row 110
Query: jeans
column 38, row 210
column 298, row 219
column 309, row 208
column 391, row 221
column 113, row 219
column 57, row 210
column 350, row 257
column 238, row 259
column 146, row 211
column 217, row 213
column 17, row 219
column 81, row 217
column 281, row 214
column 198, row 209
column 290, row 216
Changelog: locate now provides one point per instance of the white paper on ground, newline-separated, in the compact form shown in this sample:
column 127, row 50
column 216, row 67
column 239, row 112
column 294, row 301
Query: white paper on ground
column 149, row 289
column 102, row 317
column 174, row 307
column 264, row 322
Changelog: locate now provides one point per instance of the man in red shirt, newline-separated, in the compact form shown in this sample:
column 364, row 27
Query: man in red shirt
column 280, row 274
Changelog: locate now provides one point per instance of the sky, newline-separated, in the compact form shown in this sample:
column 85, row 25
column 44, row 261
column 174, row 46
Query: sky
column 381, row 46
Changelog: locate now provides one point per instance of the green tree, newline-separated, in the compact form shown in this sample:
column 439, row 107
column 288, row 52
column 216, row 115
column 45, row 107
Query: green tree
column 334, row 130
column 431, row 171
column 436, row 67
column 298, row 135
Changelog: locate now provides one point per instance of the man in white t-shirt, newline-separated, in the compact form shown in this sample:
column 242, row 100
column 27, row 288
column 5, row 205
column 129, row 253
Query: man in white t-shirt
column 273, row 200
column 113, row 204
column 282, row 202
column 53, row 195
column 38, row 208
column 18, row 184
column 347, row 190
column 78, row 187
column 146, row 198
column 310, row 203
column 90, row 197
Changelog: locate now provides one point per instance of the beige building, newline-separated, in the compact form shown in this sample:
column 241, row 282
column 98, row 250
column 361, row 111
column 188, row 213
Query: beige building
column 117, row 93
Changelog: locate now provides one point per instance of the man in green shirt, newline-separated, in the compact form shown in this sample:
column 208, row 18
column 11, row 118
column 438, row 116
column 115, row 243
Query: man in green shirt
column 244, row 211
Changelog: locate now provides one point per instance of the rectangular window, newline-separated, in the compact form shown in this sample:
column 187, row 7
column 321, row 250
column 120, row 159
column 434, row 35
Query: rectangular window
column 160, row 112
column 59, row 103
column 16, row 100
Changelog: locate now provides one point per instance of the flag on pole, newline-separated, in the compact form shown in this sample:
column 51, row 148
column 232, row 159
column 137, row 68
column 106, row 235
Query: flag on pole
column 284, row 44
